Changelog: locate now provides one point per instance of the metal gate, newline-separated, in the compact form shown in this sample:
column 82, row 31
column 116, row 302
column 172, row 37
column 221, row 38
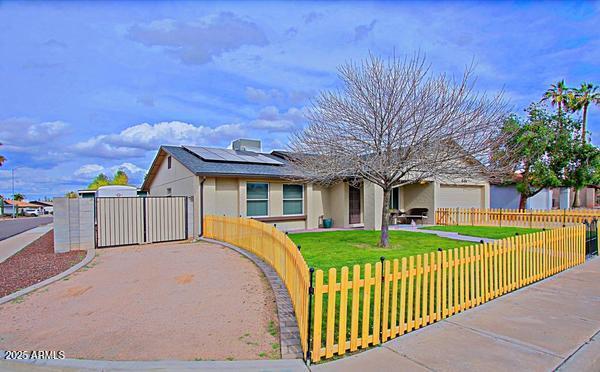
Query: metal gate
column 591, row 237
column 139, row 220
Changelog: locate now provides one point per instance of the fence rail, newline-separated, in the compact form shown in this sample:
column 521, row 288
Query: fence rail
column 513, row 217
column 372, row 306
column 275, row 248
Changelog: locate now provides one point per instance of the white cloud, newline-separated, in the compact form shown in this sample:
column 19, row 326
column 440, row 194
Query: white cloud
column 136, row 140
column 27, row 141
column 89, row 170
column 199, row 42
column 21, row 133
column 129, row 168
column 271, row 119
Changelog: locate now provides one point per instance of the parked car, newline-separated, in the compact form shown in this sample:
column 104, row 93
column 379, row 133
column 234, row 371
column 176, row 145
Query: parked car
column 31, row 212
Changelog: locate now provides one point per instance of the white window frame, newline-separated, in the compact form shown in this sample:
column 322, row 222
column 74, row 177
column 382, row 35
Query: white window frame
column 293, row 199
column 267, row 199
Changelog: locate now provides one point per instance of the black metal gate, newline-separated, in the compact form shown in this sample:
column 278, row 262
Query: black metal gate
column 591, row 237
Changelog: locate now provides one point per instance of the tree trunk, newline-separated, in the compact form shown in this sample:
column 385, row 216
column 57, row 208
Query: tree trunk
column 523, row 202
column 384, row 240
column 576, row 203
column 583, row 124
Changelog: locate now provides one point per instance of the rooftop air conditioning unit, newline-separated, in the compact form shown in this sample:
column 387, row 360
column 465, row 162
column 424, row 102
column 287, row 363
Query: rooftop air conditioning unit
column 246, row 145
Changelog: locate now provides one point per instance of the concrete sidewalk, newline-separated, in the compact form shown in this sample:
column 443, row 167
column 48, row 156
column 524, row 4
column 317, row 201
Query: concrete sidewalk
column 441, row 234
column 551, row 325
column 14, row 244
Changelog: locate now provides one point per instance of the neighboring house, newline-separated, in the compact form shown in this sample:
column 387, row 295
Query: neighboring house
column 44, row 207
column 243, row 181
column 506, row 196
column 9, row 206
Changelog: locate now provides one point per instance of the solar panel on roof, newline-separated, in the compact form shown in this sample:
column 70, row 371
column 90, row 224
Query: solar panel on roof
column 227, row 155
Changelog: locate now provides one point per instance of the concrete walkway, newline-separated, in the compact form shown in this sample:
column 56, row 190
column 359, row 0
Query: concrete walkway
column 441, row 234
column 551, row 325
column 12, row 245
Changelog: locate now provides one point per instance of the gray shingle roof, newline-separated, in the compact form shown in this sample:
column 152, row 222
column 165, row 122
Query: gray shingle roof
column 223, row 168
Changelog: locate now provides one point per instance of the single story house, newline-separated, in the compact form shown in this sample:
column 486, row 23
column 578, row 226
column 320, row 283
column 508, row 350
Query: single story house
column 8, row 207
column 243, row 181
column 44, row 207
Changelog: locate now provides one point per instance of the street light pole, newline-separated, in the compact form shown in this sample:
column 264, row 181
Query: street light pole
column 14, row 209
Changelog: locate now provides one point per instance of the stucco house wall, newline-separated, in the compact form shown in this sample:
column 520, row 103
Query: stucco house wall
column 179, row 179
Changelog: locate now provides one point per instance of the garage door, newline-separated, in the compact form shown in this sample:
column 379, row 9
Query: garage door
column 460, row 196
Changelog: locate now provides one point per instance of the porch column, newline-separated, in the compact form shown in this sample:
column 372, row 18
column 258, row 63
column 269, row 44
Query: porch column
column 373, row 203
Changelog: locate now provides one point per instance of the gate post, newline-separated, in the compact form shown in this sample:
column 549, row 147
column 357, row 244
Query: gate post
column 144, row 219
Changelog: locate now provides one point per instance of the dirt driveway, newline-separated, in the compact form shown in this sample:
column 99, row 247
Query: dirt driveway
column 155, row 302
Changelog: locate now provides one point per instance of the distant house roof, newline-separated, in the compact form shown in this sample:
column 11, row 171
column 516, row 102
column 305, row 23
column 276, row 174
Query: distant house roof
column 20, row 204
column 274, row 166
column 42, row 203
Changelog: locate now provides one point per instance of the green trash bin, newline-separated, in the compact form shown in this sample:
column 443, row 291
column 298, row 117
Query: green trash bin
column 327, row 223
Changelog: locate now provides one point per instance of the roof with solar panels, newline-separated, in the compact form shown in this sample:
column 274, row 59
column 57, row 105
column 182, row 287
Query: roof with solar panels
column 244, row 160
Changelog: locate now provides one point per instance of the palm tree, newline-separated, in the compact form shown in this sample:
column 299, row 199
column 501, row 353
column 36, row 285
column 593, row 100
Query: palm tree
column 581, row 98
column 558, row 96
column 19, row 197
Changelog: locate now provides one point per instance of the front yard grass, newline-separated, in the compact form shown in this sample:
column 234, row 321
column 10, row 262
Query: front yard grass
column 323, row 250
column 491, row 232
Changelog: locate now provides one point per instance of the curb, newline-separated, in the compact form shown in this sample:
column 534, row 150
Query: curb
column 87, row 259
column 162, row 365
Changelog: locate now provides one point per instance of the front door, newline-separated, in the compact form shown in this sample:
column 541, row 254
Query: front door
column 354, row 207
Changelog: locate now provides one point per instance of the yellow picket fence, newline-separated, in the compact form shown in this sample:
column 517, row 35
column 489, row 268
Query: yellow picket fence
column 513, row 217
column 370, row 306
column 275, row 248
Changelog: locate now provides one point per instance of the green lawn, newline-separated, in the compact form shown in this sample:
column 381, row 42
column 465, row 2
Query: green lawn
column 491, row 232
column 323, row 250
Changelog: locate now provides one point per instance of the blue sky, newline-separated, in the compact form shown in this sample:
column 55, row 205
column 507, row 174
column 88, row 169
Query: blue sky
column 90, row 86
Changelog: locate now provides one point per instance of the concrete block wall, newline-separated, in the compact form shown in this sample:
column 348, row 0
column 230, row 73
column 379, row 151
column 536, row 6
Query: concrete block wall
column 73, row 224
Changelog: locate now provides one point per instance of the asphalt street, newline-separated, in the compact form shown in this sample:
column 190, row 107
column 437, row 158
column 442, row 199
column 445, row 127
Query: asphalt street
column 10, row 227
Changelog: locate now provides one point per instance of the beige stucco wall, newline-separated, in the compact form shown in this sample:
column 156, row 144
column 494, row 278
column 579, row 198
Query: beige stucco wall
column 178, row 178
column 317, row 204
column 276, row 199
column 372, row 204
column 226, row 194
column 419, row 196
column 182, row 183
column 338, row 204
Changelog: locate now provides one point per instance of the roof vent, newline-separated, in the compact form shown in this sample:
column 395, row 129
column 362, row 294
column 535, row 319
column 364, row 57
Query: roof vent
column 246, row 145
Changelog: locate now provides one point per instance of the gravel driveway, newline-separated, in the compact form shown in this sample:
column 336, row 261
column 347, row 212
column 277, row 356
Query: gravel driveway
column 185, row 301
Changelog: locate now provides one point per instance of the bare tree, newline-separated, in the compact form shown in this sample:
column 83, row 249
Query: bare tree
column 395, row 123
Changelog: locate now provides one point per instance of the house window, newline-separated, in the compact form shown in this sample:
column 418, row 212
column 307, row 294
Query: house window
column 257, row 199
column 169, row 191
column 169, row 162
column 293, row 199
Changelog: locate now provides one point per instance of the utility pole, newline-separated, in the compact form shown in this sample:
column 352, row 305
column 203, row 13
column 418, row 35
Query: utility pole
column 14, row 209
